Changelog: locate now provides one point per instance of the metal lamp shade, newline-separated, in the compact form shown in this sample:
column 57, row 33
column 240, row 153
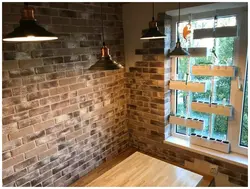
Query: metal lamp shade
column 29, row 30
column 105, row 62
column 153, row 32
column 178, row 51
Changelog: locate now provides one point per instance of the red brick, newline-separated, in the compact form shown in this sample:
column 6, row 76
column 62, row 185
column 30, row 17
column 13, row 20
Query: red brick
column 60, row 105
column 37, row 111
column 67, row 81
column 47, row 153
column 8, row 110
column 38, row 95
column 77, row 86
column 70, row 109
column 57, row 75
column 21, row 133
column 24, row 164
column 13, row 161
column 26, row 106
column 84, row 91
column 33, row 79
column 15, row 117
column 11, row 101
column 43, row 126
column 23, row 148
column 6, row 93
column 59, row 90
column 36, row 151
column 11, row 83
column 49, row 100
column 10, row 65
column 47, row 85
column 28, row 122
column 23, row 64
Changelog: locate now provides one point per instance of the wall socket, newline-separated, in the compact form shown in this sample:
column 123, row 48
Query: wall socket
column 213, row 169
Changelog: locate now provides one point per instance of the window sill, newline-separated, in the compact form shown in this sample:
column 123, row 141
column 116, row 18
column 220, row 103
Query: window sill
column 232, row 158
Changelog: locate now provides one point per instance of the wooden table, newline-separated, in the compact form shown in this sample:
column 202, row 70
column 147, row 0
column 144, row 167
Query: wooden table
column 142, row 170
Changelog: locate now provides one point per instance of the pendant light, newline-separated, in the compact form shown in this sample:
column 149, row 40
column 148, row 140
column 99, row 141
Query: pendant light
column 178, row 50
column 29, row 30
column 153, row 31
column 105, row 62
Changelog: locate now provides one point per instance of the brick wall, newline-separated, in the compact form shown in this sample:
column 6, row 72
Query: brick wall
column 59, row 120
column 149, row 107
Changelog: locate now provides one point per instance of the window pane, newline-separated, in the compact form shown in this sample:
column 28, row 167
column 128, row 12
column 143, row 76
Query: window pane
column 181, row 99
column 206, row 118
column 181, row 129
column 244, row 123
column 220, row 127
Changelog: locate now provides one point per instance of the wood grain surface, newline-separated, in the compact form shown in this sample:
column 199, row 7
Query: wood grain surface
column 142, row 170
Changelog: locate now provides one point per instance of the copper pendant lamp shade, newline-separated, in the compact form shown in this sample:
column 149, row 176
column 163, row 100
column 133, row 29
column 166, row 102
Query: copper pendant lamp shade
column 29, row 30
column 105, row 62
column 178, row 50
column 153, row 31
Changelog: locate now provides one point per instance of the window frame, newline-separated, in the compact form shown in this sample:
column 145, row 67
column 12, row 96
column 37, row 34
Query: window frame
column 243, row 102
column 240, row 59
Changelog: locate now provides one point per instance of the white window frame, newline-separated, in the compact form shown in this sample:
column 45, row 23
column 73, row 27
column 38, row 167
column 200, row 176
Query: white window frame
column 240, row 53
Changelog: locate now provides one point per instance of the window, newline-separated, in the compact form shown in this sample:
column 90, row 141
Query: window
column 244, row 119
column 220, row 90
column 215, row 125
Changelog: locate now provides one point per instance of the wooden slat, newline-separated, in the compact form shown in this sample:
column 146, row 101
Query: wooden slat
column 229, row 31
column 213, row 109
column 190, row 86
column 220, row 71
column 195, row 124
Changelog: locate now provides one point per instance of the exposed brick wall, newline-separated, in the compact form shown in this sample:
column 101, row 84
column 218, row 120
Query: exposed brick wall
column 149, row 107
column 59, row 120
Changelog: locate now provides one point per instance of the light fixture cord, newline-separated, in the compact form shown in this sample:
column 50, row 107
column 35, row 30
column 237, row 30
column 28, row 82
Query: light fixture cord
column 153, row 18
column 178, row 34
column 102, row 28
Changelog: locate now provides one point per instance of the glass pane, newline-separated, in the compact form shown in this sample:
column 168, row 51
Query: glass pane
column 181, row 108
column 222, row 90
column 220, row 127
column 225, row 46
column 202, row 116
column 182, row 68
column 181, row 129
column 244, row 123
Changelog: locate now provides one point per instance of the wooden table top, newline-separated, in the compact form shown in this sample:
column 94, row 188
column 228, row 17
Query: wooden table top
column 142, row 170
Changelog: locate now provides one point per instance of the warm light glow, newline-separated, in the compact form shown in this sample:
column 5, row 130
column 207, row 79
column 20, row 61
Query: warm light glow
column 157, row 37
column 30, row 38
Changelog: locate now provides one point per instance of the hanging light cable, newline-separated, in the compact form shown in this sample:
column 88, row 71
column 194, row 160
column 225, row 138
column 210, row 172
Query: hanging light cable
column 178, row 50
column 105, row 62
column 153, row 31
column 29, row 30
